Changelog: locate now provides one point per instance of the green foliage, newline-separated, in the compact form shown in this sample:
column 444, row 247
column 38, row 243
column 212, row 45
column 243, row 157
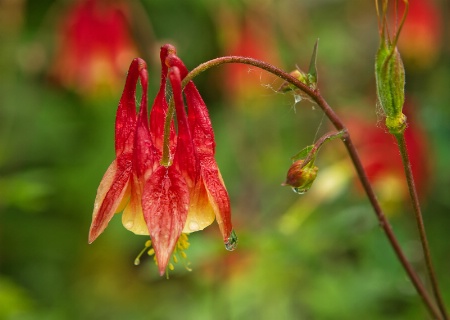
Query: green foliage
column 333, row 261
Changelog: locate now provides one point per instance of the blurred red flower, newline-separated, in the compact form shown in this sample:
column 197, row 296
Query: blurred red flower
column 382, row 161
column 251, row 35
column 94, row 46
column 421, row 39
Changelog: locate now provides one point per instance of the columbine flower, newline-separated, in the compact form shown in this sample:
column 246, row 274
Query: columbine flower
column 95, row 45
column 166, row 198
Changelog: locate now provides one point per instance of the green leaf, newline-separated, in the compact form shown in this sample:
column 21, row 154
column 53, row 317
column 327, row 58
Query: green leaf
column 313, row 77
column 303, row 153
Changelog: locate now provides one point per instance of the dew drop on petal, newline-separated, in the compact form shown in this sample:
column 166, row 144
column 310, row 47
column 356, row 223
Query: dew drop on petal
column 129, row 224
column 193, row 226
column 232, row 241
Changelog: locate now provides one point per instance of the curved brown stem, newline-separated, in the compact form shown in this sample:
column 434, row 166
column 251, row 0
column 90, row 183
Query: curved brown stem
column 315, row 96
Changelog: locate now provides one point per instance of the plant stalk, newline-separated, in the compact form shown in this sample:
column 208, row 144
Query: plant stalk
column 315, row 95
column 420, row 224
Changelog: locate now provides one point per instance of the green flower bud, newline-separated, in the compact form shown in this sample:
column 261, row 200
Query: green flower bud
column 310, row 79
column 390, row 79
column 299, row 75
column 390, row 72
column 301, row 178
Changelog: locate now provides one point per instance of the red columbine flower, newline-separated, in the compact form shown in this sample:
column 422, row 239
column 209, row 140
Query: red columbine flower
column 165, row 199
column 95, row 46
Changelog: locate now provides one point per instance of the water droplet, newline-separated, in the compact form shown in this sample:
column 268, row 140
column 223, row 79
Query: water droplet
column 297, row 98
column 193, row 226
column 300, row 190
column 129, row 224
column 232, row 241
column 137, row 261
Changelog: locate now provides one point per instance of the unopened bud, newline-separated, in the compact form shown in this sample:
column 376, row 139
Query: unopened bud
column 300, row 178
column 297, row 74
column 390, row 77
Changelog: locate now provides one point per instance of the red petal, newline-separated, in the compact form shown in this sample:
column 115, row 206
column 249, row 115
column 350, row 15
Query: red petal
column 144, row 153
column 165, row 202
column 185, row 158
column 203, row 137
column 126, row 112
column 159, row 109
column 174, row 61
column 199, row 122
column 218, row 196
column 110, row 194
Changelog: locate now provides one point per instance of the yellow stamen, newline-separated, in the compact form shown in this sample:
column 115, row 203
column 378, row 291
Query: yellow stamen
column 178, row 252
column 148, row 244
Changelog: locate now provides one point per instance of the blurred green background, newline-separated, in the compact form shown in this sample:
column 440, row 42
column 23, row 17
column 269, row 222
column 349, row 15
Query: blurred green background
column 316, row 256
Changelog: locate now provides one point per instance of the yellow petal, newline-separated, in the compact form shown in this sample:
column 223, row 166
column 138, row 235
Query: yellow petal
column 200, row 214
column 133, row 217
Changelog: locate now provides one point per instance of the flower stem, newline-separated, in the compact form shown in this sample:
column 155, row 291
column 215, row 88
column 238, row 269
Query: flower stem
column 315, row 95
column 165, row 159
column 419, row 220
column 318, row 144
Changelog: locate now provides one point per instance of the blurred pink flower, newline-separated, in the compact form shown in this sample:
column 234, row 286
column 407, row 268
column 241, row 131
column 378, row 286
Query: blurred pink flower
column 95, row 46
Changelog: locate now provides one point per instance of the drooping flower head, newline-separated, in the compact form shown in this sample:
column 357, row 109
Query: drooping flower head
column 163, row 199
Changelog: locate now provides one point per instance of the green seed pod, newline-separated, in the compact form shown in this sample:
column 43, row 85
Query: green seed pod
column 390, row 72
column 390, row 79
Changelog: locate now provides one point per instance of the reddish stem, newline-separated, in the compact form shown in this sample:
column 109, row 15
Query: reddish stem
column 315, row 95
